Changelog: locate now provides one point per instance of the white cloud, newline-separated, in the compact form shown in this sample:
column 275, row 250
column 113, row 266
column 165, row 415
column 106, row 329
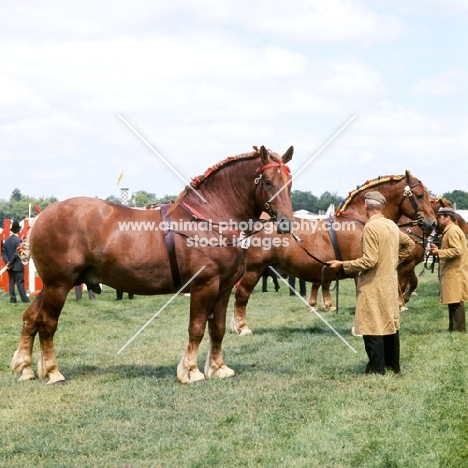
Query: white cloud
column 448, row 83
column 319, row 21
column 204, row 80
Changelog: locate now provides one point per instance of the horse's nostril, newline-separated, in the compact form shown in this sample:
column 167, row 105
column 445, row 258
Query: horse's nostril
column 284, row 226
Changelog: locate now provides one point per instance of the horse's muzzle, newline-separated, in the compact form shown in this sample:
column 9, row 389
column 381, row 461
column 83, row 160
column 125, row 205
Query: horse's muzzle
column 284, row 226
column 426, row 224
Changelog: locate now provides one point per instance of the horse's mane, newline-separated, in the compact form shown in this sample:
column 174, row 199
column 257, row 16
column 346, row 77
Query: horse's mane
column 440, row 200
column 366, row 185
column 197, row 181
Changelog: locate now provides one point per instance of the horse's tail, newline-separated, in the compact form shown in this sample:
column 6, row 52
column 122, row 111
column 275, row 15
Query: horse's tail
column 24, row 249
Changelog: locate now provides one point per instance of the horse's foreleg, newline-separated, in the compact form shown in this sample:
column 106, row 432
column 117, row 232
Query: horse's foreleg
column 200, row 305
column 242, row 294
column 215, row 366
column 22, row 359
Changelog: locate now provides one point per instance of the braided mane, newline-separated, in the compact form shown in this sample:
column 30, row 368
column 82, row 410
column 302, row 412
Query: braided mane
column 198, row 180
column 366, row 185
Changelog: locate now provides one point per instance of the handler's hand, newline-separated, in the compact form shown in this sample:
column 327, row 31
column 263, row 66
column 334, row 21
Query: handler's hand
column 434, row 249
column 335, row 264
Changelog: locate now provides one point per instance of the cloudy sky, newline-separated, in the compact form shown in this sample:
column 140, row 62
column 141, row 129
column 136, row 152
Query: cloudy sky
column 205, row 79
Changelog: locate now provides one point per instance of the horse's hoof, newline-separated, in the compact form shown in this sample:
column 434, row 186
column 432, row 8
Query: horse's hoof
column 59, row 383
column 403, row 309
column 246, row 332
column 198, row 382
column 27, row 374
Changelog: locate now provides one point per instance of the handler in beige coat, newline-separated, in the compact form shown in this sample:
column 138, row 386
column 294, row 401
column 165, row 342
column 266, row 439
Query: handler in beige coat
column 453, row 256
column 377, row 317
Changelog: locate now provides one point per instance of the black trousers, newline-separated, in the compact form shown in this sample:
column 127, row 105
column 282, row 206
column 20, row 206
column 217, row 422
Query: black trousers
column 382, row 351
column 16, row 277
column 119, row 295
column 302, row 286
column 265, row 281
column 457, row 318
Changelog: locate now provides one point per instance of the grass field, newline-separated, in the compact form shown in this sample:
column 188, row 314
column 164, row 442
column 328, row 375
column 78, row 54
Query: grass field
column 300, row 399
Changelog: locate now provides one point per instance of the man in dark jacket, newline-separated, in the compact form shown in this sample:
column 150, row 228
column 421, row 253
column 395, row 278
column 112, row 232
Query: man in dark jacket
column 16, row 268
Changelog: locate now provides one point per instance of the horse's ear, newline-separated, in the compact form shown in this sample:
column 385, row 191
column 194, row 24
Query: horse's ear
column 288, row 155
column 264, row 154
column 407, row 174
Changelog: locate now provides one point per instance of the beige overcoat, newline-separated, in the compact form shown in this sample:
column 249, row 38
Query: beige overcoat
column 384, row 246
column 453, row 256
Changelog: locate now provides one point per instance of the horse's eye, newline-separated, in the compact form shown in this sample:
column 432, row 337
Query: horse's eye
column 420, row 196
column 268, row 183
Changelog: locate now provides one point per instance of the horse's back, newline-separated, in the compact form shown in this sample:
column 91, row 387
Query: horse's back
column 87, row 233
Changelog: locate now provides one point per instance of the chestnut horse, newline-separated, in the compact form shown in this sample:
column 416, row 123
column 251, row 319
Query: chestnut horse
column 405, row 195
column 85, row 240
column 407, row 277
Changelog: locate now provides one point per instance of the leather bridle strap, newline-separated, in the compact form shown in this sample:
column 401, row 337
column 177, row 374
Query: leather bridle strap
column 408, row 193
column 259, row 177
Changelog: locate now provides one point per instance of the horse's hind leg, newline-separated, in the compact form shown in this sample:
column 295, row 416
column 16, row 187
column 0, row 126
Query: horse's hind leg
column 327, row 300
column 215, row 366
column 22, row 359
column 52, row 304
column 245, row 287
column 314, row 294
column 41, row 317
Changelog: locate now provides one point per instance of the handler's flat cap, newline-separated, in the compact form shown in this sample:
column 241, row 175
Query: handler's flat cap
column 447, row 210
column 374, row 198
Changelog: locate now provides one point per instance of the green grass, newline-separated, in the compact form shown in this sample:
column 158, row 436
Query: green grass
column 300, row 399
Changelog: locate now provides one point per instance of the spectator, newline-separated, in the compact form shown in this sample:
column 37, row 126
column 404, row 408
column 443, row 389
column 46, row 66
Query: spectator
column 15, row 266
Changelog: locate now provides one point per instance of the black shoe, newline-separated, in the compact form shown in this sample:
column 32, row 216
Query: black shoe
column 13, row 301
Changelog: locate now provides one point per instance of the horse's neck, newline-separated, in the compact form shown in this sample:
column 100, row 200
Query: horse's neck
column 357, row 209
column 229, row 193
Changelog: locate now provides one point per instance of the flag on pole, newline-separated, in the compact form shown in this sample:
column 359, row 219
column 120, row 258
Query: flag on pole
column 121, row 176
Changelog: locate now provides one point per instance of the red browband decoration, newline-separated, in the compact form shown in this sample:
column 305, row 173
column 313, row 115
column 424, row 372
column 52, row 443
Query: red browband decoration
column 276, row 164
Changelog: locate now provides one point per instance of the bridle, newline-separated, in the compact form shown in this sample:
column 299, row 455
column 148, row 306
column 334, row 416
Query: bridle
column 260, row 183
column 409, row 193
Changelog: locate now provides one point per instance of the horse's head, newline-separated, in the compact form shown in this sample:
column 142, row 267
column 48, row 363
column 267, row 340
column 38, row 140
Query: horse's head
column 273, row 188
column 416, row 203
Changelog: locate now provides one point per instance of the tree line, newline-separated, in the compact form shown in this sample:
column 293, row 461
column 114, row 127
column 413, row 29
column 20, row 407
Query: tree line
column 18, row 206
